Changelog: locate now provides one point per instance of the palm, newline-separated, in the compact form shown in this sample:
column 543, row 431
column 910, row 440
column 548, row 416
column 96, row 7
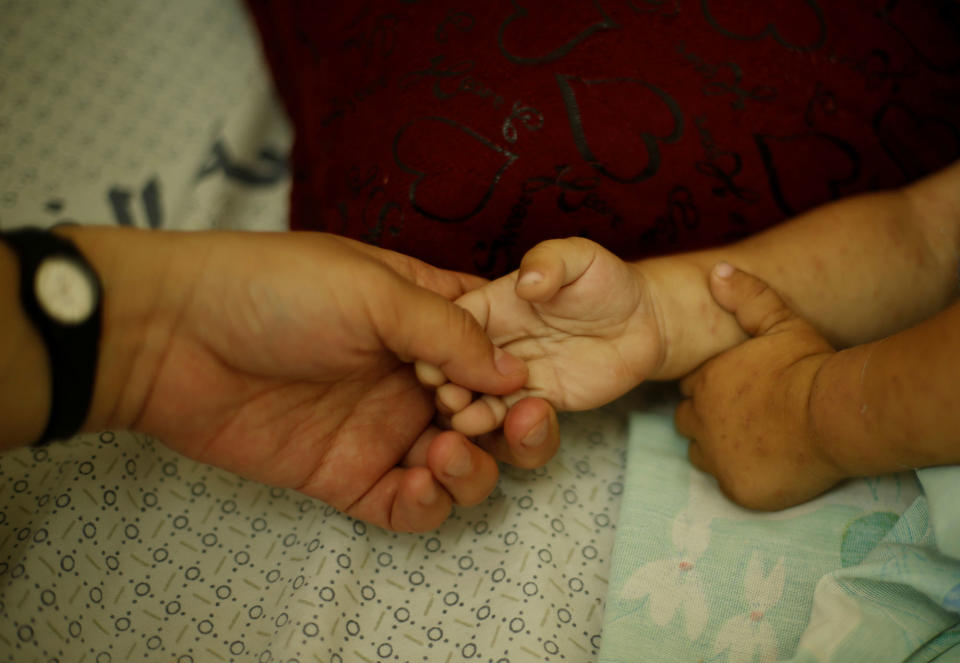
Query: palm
column 331, row 438
column 291, row 385
column 592, row 341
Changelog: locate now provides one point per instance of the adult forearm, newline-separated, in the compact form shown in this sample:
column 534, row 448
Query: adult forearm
column 24, row 371
column 892, row 404
column 858, row 270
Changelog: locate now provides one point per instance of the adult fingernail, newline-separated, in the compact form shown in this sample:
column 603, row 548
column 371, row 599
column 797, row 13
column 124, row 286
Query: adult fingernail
column 723, row 270
column 459, row 464
column 506, row 363
column 430, row 496
column 537, row 436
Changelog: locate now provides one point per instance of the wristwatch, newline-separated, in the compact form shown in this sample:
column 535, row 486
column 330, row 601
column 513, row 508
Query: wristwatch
column 62, row 296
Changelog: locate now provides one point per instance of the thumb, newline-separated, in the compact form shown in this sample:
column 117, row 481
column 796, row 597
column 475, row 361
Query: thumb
column 758, row 308
column 417, row 324
column 552, row 265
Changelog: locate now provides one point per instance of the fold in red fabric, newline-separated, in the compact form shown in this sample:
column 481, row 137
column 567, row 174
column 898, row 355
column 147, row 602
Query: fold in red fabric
column 465, row 132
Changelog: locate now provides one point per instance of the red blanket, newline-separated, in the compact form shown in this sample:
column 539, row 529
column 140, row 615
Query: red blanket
column 465, row 132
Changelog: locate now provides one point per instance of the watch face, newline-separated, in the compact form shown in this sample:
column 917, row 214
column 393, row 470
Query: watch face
column 65, row 290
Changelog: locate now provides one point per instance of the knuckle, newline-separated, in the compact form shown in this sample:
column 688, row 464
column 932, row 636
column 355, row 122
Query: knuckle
column 462, row 324
column 774, row 317
column 758, row 289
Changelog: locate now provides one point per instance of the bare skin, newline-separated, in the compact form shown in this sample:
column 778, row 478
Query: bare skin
column 591, row 327
column 556, row 320
column 284, row 358
column 784, row 417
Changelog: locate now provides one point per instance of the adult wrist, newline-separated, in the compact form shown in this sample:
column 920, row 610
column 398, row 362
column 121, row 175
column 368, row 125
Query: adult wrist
column 60, row 294
column 24, row 365
column 138, row 273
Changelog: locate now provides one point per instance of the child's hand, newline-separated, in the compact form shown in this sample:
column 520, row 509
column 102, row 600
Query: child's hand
column 746, row 411
column 579, row 316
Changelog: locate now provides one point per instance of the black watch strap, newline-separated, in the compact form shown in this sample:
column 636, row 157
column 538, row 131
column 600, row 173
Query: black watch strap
column 72, row 348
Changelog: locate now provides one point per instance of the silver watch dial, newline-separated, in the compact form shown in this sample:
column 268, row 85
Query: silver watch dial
column 65, row 290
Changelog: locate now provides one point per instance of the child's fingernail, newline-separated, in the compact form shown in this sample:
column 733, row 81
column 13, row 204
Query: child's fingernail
column 459, row 464
column 453, row 397
column 537, row 436
column 506, row 363
column 723, row 270
column 429, row 374
column 530, row 278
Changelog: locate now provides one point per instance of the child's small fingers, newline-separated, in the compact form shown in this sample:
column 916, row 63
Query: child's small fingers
column 551, row 265
column 481, row 416
column 428, row 374
column 451, row 398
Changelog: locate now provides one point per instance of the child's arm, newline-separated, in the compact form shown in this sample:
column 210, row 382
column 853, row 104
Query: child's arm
column 783, row 417
column 858, row 270
column 594, row 326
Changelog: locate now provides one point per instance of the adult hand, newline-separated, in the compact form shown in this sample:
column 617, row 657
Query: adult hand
column 746, row 411
column 282, row 358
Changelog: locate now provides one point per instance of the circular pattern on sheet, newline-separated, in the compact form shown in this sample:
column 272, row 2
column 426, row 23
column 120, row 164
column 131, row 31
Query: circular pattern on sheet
column 114, row 548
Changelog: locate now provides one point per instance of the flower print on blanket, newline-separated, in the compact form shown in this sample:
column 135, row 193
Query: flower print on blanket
column 698, row 578
column 675, row 584
column 745, row 637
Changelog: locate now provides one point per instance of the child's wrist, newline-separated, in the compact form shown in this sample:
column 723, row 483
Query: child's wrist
column 693, row 327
